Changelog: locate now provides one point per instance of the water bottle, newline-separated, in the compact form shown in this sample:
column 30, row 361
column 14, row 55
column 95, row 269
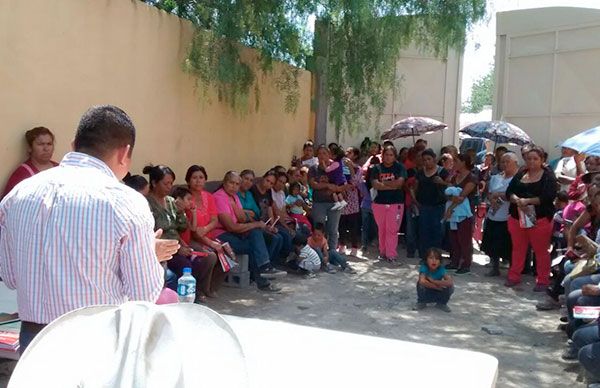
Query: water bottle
column 186, row 287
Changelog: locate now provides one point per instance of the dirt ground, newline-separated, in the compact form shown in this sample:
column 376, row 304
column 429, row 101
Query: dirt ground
column 378, row 301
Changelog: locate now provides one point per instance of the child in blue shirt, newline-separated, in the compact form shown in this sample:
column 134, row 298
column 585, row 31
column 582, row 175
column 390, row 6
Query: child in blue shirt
column 434, row 284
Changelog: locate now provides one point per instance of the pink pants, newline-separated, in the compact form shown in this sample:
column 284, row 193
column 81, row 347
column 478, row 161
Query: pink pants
column 539, row 238
column 388, row 219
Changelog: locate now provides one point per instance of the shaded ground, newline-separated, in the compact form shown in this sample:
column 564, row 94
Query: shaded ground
column 378, row 301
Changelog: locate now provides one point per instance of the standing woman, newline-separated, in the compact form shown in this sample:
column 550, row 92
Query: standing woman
column 350, row 219
column 531, row 193
column 461, row 244
column 322, row 211
column 206, row 221
column 496, row 238
column 169, row 215
column 40, row 146
column 429, row 198
column 388, row 206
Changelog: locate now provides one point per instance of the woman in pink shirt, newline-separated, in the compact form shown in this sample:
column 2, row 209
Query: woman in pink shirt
column 244, row 235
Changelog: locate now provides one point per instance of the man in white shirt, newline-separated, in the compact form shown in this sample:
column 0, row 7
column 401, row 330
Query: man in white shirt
column 75, row 236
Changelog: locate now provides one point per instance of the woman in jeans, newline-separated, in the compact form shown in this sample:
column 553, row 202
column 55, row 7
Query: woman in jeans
column 496, row 238
column 322, row 196
column 461, row 244
column 429, row 199
column 531, row 194
column 388, row 206
column 170, row 217
column 243, row 234
column 350, row 219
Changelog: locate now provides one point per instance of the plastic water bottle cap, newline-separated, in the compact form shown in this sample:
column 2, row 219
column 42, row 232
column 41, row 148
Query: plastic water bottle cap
column 187, row 270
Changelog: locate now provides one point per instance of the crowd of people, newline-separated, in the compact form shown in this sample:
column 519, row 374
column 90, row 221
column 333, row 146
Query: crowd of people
column 331, row 202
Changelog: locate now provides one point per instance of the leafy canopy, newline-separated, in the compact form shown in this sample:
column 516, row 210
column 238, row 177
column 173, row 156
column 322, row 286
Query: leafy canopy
column 482, row 93
column 357, row 50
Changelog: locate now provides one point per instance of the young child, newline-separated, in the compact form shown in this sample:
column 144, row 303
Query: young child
column 335, row 174
column 318, row 242
column 305, row 189
column 297, row 207
column 558, row 222
column 308, row 260
column 434, row 284
column 184, row 198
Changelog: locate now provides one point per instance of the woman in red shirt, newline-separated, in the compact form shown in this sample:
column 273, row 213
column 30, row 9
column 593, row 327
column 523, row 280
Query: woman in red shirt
column 40, row 144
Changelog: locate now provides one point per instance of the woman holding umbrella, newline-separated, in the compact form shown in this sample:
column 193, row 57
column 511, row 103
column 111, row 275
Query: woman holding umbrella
column 531, row 194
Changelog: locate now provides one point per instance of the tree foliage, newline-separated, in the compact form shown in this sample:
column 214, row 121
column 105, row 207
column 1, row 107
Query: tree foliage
column 482, row 93
column 358, row 55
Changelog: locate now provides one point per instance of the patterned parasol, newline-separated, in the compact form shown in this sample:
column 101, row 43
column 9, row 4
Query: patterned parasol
column 500, row 132
column 413, row 126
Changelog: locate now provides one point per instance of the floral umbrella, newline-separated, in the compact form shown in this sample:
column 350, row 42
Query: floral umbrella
column 413, row 126
column 500, row 132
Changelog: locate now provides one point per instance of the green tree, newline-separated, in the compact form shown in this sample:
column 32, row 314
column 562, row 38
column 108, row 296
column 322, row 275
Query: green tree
column 482, row 93
column 355, row 54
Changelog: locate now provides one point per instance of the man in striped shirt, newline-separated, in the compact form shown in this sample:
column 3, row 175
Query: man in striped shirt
column 74, row 236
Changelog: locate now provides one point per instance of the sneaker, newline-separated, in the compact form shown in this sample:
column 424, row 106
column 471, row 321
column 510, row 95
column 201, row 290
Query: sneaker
column 548, row 304
column 269, row 287
column 463, row 271
column 382, row 258
column 511, row 283
column 310, row 275
column 539, row 288
column 353, row 252
column 493, row 273
column 337, row 206
column 419, row 306
column 451, row 266
column 443, row 307
column 330, row 269
column 272, row 273
column 564, row 319
column 349, row 269
column 570, row 354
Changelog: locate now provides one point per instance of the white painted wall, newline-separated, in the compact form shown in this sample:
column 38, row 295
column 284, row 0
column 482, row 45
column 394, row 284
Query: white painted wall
column 547, row 72
column 430, row 87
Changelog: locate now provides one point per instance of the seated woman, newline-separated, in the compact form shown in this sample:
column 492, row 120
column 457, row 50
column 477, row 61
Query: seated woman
column 205, row 210
column 40, row 146
column 170, row 217
column 253, row 212
column 263, row 195
column 245, row 236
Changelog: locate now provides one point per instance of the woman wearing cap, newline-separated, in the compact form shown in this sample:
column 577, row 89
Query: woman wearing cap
column 531, row 194
column 496, row 239
column 40, row 146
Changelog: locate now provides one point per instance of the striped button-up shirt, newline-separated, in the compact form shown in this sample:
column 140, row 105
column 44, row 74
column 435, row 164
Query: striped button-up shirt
column 74, row 236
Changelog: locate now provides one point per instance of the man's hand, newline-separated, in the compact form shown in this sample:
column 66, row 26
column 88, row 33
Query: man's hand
column 590, row 290
column 165, row 249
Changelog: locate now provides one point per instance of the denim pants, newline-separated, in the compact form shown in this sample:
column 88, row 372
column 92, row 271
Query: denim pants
column 575, row 298
column 589, row 358
column 321, row 212
column 430, row 228
column 369, row 227
column 335, row 258
column 286, row 241
column 429, row 295
column 274, row 242
column 412, row 233
column 253, row 245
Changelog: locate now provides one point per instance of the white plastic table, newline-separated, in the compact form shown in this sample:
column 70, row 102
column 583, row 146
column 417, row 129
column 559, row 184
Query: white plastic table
column 286, row 355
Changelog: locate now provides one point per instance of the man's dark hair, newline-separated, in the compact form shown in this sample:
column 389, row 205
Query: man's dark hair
column 103, row 129
column 136, row 182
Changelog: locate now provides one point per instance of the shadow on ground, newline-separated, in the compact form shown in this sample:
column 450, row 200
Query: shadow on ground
column 378, row 301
